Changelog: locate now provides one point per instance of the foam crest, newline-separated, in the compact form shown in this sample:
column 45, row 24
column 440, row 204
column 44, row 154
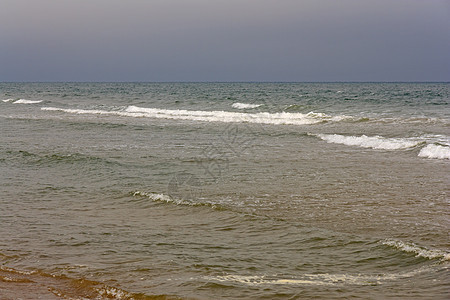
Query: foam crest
column 4, row 268
column 179, row 201
column 435, row 151
column 167, row 199
column 154, row 196
column 374, row 142
column 417, row 250
column 228, row 117
column 8, row 100
column 245, row 105
column 80, row 111
column 113, row 293
column 25, row 101
column 282, row 118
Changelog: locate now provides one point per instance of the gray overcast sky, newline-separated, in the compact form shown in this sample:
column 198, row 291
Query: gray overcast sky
column 224, row 40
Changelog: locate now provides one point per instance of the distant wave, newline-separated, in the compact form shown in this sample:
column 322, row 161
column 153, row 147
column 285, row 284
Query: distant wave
column 412, row 120
column 25, row 101
column 374, row 142
column 294, row 107
column 435, row 151
column 282, row 118
column 245, row 105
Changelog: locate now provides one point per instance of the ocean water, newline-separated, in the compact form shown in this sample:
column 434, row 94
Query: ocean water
column 225, row 190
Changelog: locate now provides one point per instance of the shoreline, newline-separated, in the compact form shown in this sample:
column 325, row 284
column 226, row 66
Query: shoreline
column 16, row 284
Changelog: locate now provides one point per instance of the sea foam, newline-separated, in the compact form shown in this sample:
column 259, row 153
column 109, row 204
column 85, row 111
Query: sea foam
column 245, row 105
column 374, row 142
column 162, row 198
column 323, row 279
column 417, row 250
column 229, row 117
column 25, row 101
column 435, row 151
column 282, row 118
column 154, row 196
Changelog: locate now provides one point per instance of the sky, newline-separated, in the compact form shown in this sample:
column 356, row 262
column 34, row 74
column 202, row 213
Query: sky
column 224, row 40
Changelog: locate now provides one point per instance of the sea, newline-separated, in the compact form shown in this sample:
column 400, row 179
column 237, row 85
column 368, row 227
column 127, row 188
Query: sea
column 224, row 190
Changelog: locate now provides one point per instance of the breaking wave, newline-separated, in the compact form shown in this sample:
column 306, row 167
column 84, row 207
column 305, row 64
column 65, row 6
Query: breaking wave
column 440, row 148
column 417, row 250
column 435, row 151
column 245, row 105
column 155, row 197
column 25, row 101
column 374, row 142
column 282, row 118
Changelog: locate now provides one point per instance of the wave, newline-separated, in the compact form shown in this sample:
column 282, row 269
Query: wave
column 282, row 118
column 294, row 107
column 435, row 151
column 168, row 199
column 157, row 197
column 25, row 101
column 417, row 250
column 53, row 159
column 245, row 105
column 440, row 148
column 8, row 100
column 324, row 279
column 374, row 142
column 46, row 286
column 412, row 120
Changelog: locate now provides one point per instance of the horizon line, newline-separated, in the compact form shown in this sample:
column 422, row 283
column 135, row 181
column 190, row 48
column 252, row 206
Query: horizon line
column 142, row 81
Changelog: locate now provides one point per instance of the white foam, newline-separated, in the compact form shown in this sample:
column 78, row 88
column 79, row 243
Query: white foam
column 154, row 196
column 324, row 279
column 435, row 151
column 167, row 199
column 113, row 293
column 417, row 250
column 245, row 105
column 25, row 101
column 374, row 142
column 178, row 201
column 282, row 118
column 227, row 117
column 4, row 268
column 8, row 100
column 264, row 280
column 82, row 111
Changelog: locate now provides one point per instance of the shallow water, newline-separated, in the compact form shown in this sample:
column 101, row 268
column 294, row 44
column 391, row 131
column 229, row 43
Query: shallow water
column 214, row 190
